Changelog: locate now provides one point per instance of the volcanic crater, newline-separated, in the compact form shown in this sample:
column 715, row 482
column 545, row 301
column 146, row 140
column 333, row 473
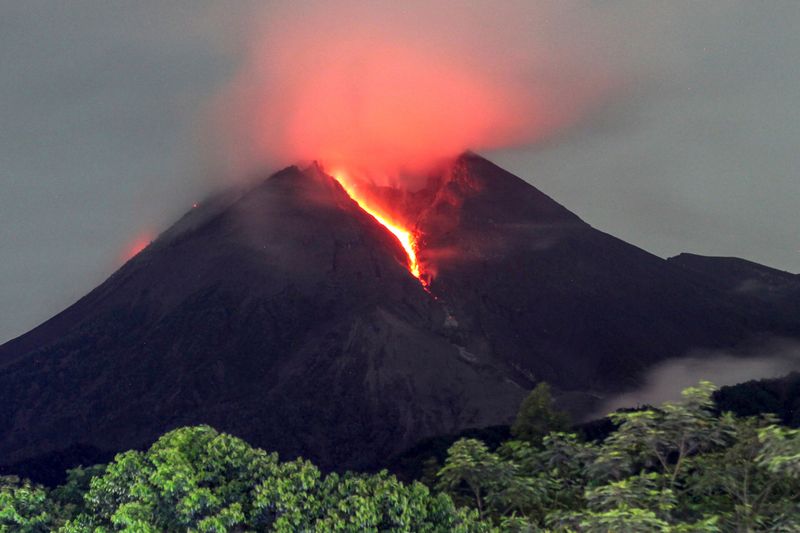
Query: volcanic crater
column 287, row 314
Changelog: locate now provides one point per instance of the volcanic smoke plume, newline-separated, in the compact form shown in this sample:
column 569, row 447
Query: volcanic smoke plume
column 385, row 91
column 382, row 95
column 283, row 313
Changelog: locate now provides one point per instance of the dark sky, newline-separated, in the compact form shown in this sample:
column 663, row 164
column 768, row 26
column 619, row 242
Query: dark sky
column 102, row 133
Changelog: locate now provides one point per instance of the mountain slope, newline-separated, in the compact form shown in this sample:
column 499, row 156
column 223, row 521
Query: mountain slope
column 288, row 318
column 775, row 292
column 559, row 300
column 286, row 315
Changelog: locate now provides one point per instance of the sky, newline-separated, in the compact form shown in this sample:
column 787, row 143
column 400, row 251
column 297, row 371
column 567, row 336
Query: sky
column 107, row 130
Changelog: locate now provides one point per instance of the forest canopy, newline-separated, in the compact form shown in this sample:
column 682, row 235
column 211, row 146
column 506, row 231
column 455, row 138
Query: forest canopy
column 679, row 467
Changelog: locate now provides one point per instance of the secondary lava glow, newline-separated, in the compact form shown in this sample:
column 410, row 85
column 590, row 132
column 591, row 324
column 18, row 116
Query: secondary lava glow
column 139, row 243
column 407, row 238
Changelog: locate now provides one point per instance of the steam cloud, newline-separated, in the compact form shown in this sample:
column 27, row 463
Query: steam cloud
column 389, row 89
column 666, row 381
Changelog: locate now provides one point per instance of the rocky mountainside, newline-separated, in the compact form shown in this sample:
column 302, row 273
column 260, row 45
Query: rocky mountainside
column 563, row 302
column 775, row 292
column 286, row 315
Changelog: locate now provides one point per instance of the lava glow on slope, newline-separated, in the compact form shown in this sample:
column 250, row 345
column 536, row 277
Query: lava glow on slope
column 407, row 238
column 139, row 243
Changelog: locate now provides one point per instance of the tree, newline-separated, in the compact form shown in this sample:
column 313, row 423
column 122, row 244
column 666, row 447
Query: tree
column 780, row 450
column 190, row 478
column 679, row 467
column 24, row 507
column 196, row 479
column 736, row 484
column 664, row 438
column 472, row 466
column 630, row 505
column 70, row 496
column 537, row 417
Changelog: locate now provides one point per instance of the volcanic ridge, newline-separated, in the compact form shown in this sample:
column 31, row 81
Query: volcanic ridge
column 287, row 314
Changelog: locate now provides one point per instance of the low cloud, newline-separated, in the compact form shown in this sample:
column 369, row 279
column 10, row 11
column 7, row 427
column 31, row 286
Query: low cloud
column 665, row 381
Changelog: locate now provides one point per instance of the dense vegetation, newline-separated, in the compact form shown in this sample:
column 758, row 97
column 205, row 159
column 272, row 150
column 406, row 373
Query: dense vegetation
column 197, row 479
column 779, row 396
column 681, row 467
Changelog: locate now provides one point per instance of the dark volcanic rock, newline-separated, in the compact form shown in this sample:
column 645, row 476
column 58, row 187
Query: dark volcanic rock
column 561, row 301
column 286, row 315
column 774, row 292
column 288, row 318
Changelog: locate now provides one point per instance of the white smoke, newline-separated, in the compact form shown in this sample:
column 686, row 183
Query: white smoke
column 665, row 381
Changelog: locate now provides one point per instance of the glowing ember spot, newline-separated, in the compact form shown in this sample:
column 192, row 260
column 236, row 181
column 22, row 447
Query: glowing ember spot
column 407, row 238
column 134, row 247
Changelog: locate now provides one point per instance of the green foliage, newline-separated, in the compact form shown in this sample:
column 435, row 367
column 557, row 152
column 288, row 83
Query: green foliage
column 780, row 450
column 24, row 507
column 680, row 467
column 196, row 479
column 191, row 478
column 300, row 499
column 537, row 417
column 664, row 438
column 472, row 466
column 70, row 495
column 677, row 468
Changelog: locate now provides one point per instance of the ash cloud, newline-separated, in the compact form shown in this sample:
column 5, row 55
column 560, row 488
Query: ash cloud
column 665, row 381
column 670, row 124
column 389, row 89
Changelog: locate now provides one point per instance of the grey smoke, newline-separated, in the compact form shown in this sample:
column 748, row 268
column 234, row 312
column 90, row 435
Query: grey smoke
column 665, row 381
column 99, row 106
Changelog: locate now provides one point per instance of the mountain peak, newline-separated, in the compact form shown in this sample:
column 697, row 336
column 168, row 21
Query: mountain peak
column 287, row 314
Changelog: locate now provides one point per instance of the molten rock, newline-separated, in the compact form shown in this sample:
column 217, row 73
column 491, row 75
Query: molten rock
column 287, row 315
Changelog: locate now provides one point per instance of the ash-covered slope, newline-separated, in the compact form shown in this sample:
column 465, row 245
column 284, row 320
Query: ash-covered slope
column 286, row 315
column 559, row 300
column 775, row 292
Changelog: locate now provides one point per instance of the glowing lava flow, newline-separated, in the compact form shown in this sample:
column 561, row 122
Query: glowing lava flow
column 407, row 238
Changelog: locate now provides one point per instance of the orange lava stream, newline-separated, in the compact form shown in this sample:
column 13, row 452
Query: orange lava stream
column 407, row 238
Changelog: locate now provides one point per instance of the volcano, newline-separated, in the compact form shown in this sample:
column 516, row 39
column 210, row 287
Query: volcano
column 288, row 315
